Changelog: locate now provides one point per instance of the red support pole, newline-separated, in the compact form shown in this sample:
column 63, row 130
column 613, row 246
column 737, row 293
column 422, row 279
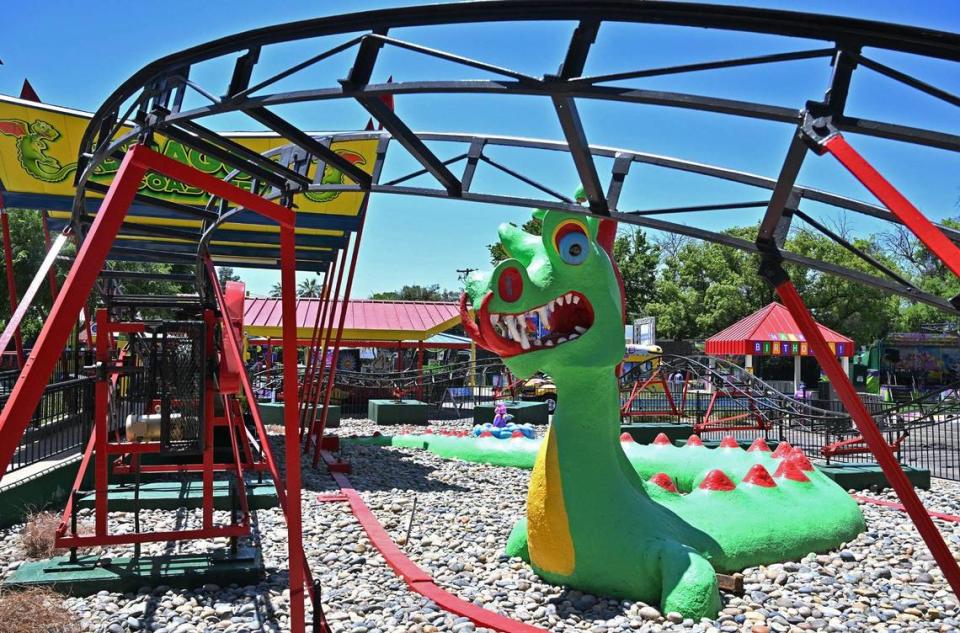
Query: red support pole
column 291, row 417
column 313, row 360
column 420, row 371
column 336, row 345
column 101, row 410
column 932, row 237
column 331, row 312
column 32, row 381
column 871, row 434
column 11, row 281
column 208, row 412
column 232, row 348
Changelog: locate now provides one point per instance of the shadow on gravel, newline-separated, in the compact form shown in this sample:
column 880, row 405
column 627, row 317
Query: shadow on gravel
column 376, row 468
column 571, row 602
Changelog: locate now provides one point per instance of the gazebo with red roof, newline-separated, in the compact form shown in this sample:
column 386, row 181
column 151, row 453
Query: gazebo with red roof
column 771, row 331
column 393, row 325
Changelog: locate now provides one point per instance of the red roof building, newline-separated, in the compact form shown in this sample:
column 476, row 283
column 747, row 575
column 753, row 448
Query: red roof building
column 365, row 319
column 771, row 331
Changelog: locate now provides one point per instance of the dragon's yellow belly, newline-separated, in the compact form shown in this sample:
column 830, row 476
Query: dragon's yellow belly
column 548, row 529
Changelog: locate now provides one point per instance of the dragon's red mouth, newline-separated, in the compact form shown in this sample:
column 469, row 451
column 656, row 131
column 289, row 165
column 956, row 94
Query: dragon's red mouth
column 557, row 322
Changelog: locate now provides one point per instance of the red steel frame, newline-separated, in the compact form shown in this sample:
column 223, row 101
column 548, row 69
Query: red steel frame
column 328, row 333
column 932, row 237
column 318, row 434
column 721, row 424
column 79, row 283
column 947, row 251
column 655, row 377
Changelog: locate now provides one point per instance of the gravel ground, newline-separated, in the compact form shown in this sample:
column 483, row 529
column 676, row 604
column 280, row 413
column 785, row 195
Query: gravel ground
column 883, row 581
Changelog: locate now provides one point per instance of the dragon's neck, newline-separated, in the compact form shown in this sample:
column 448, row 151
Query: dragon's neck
column 589, row 413
column 581, row 475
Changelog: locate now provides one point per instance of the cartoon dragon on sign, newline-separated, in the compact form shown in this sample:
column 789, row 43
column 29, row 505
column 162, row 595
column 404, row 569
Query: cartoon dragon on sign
column 33, row 141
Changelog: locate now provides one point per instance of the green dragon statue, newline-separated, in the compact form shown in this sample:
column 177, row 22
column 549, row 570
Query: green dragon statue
column 33, row 141
column 652, row 523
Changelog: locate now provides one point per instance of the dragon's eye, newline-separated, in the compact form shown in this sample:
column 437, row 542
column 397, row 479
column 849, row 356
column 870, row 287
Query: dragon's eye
column 572, row 243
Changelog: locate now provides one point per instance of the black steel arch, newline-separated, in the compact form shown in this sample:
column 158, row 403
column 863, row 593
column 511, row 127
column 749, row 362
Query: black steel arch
column 155, row 95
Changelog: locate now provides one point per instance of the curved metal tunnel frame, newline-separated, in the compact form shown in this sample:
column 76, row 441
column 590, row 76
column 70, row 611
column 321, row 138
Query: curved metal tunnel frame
column 153, row 99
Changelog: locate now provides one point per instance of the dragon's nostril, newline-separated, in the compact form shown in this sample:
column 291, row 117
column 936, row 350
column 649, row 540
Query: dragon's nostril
column 510, row 285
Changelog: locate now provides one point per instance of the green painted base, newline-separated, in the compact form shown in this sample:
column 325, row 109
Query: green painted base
column 522, row 412
column 644, row 432
column 170, row 495
column 397, row 412
column 91, row 574
column 861, row 476
column 272, row 413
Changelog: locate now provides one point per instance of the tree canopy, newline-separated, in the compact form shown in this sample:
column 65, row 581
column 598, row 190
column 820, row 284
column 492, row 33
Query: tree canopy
column 418, row 293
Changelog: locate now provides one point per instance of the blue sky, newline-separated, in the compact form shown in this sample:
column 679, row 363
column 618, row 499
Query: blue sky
column 76, row 53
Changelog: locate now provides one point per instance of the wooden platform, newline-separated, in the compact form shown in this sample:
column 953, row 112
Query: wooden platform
column 867, row 475
column 91, row 574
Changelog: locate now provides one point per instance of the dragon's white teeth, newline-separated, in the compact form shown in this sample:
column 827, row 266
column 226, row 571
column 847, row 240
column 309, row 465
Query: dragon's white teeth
column 511, row 322
column 569, row 297
column 544, row 312
column 537, row 342
column 576, row 299
column 494, row 319
column 571, row 337
column 549, row 343
column 579, row 329
column 562, row 339
column 524, row 341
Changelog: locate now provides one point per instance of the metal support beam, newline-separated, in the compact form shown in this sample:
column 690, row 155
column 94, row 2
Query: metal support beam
column 412, row 143
column 844, row 63
column 473, row 157
column 618, row 174
column 581, row 41
column 580, row 151
column 310, row 145
column 783, row 190
column 243, row 71
column 239, row 150
column 934, row 239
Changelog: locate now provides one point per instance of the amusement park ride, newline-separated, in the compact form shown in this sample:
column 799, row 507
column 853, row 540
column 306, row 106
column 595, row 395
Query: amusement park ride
column 298, row 202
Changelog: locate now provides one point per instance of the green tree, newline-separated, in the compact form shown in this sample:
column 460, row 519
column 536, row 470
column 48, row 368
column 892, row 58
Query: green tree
column 928, row 273
column 417, row 293
column 225, row 274
column 29, row 250
column 705, row 287
column 637, row 260
column 309, row 288
column 854, row 309
column 276, row 291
